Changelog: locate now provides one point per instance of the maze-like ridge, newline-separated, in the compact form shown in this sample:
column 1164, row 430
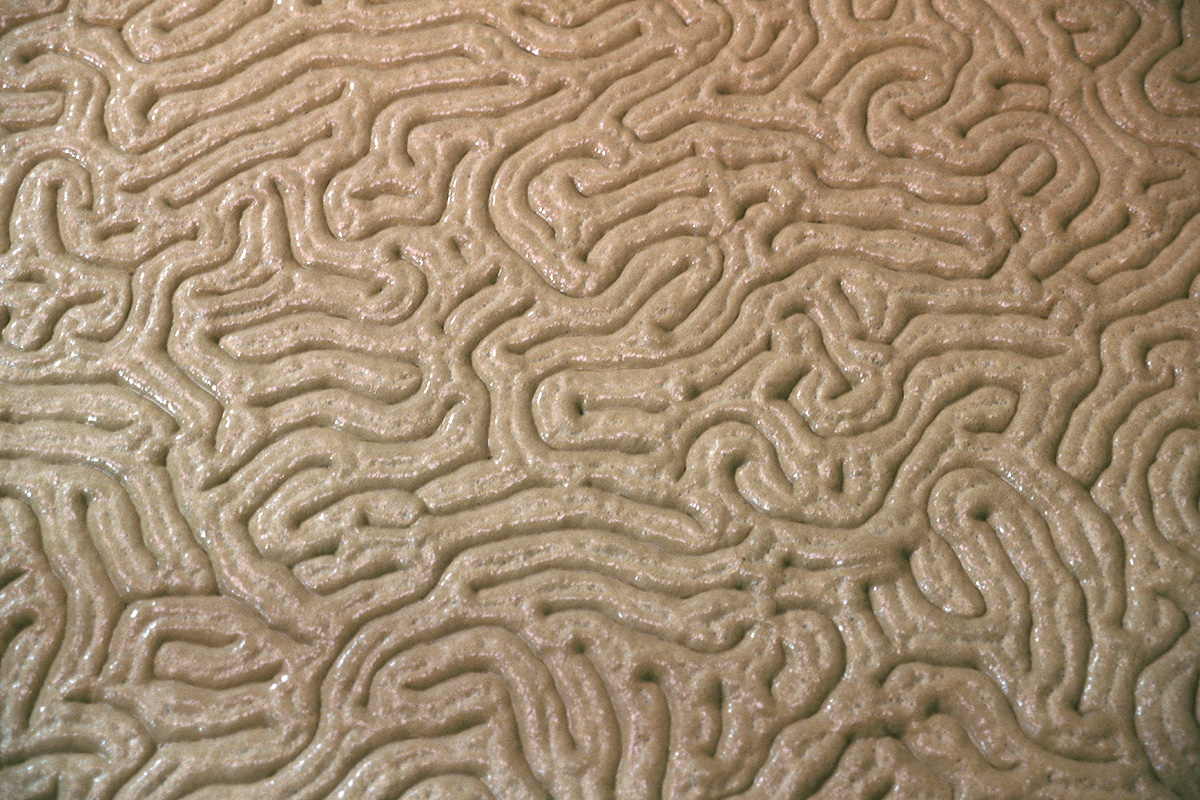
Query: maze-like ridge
column 673, row 399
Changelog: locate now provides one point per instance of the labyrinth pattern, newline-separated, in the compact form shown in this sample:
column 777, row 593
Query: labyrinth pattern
column 569, row 400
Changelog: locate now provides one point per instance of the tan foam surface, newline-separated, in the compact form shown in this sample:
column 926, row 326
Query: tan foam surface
column 452, row 399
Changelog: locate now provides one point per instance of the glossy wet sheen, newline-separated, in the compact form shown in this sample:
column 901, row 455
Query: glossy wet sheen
column 531, row 399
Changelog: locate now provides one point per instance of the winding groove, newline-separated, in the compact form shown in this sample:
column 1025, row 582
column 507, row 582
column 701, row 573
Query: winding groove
column 649, row 399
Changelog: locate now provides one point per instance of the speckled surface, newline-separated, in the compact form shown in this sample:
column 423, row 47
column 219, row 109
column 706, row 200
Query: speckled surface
column 526, row 399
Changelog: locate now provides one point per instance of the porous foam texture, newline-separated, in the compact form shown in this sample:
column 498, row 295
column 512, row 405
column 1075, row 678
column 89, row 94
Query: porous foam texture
column 547, row 400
